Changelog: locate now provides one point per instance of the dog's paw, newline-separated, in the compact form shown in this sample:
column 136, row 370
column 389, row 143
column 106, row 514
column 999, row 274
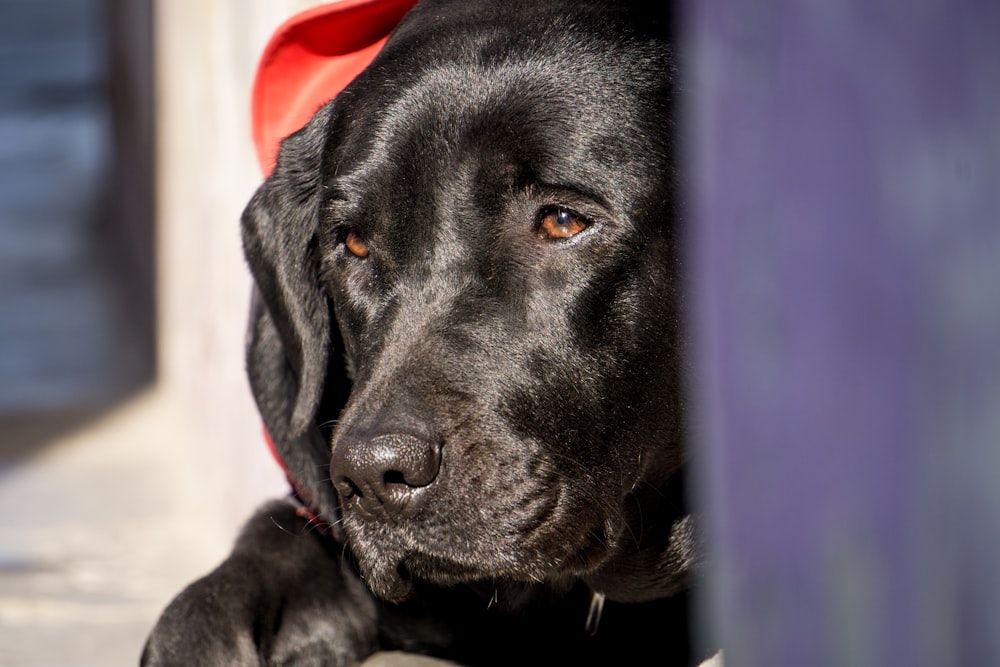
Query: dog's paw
column 200, row 628
column 209, row 626
column 283, row 597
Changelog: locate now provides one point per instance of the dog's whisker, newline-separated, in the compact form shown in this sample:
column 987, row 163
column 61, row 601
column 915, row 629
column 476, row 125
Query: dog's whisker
column 280, row 526
column 328, row 423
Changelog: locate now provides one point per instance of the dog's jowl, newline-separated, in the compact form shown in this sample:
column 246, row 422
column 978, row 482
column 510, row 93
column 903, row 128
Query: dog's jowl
column 466, row 346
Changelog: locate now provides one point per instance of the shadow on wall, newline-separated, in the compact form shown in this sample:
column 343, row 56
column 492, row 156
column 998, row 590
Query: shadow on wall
column 76, row 225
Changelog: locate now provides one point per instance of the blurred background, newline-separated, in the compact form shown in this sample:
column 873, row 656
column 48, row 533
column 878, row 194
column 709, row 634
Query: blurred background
column 130, row 450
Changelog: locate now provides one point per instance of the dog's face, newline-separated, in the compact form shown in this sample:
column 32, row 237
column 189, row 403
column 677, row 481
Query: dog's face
column 469, row 261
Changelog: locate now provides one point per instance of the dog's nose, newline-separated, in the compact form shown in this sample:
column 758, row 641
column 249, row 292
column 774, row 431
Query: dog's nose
column 385, row 473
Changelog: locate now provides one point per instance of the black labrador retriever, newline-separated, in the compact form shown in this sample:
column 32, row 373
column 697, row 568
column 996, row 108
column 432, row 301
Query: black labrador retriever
column 466, row 343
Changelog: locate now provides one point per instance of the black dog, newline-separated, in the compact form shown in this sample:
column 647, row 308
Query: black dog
column 466, row 343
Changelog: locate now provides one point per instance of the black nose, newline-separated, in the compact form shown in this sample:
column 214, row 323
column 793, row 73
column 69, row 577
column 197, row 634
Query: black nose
column 385, row 473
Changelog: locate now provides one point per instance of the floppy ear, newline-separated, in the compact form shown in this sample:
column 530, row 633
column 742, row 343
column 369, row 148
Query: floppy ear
column 279, row 240
column 305, row 457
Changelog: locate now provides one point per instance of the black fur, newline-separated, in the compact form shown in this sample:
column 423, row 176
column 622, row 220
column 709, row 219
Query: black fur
column 491, row 416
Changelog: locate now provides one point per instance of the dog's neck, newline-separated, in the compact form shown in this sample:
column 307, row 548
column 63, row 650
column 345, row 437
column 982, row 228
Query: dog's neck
column 660, row 563
column 646, row 574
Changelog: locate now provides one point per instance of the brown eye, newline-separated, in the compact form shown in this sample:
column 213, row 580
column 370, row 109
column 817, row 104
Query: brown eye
column 561, row 224
column 354, row 244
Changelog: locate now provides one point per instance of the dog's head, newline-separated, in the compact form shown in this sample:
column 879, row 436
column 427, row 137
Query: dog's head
column 467, row 328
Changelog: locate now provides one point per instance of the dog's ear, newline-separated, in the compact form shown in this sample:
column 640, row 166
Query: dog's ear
column 279, row 240
column 306, row 456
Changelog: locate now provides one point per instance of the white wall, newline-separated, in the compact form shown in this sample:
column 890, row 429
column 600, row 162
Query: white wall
column 206, row 53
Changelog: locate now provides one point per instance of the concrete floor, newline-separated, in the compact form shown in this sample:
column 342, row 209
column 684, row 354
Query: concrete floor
column 98, row 530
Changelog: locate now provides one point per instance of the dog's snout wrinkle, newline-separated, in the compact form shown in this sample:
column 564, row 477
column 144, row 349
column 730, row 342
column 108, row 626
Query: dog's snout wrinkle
column 385, row 473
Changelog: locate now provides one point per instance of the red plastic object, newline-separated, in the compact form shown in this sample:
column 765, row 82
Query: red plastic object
column 311, row 58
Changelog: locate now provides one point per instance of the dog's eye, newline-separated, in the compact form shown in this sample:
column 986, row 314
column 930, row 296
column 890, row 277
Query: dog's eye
column 560, row 223
column 355, row 244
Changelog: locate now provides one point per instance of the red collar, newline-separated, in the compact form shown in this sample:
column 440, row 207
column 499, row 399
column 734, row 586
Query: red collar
column 307, row 506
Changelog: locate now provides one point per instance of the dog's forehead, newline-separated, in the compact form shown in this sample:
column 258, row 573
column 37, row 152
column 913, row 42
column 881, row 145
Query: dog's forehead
column 556, row 93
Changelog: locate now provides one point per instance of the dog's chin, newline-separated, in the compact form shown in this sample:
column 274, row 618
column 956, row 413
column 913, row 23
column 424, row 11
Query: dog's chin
column 396, row 582
column 391, row 570
column 393, row 578
column 389, row 581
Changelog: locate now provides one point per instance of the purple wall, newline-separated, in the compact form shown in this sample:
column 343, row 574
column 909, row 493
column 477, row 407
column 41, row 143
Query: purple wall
column 845, row 232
